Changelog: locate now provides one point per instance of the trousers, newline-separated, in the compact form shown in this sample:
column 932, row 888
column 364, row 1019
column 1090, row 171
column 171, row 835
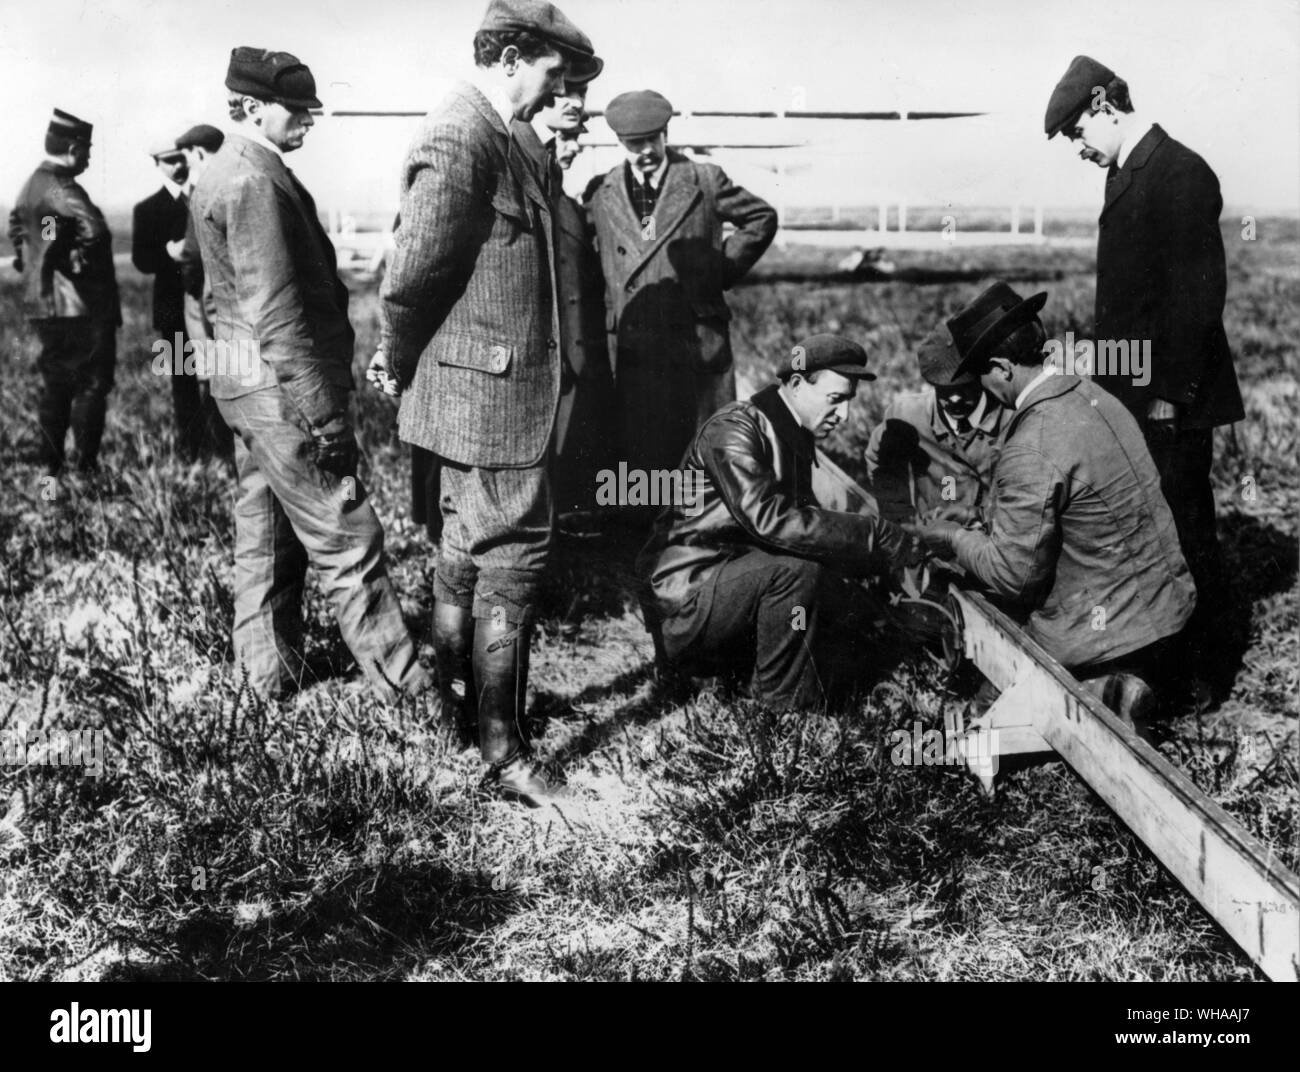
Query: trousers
column 77, row 362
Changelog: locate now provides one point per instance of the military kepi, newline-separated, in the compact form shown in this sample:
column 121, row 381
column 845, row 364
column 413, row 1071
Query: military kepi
column 540, row 19
column 68, row 127
column 273, row 76
column 638, row 114
column 1075, row 92
column 988, row 320
column 831, row 352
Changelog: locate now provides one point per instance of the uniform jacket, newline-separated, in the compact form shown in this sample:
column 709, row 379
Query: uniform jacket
column 469, row 300
column 664, row 293
column 157, row 220
column 1081, row 542
column 756, row 487
column 67, row 249
column 1161, row 276
column 917, row 466
column 274, row 280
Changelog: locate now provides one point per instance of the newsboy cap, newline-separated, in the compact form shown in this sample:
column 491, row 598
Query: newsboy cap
column 939, row 358
column 540, row 19
column 275, row 76
column 831, row 352
column 638, row 114
column 989, row 319
column 68, row 127
column 205, row 136
column 162, row 148
column 583, row 69
column 1075, row 92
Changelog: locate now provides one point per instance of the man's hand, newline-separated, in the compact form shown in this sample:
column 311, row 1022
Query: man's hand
column 935, row 536
column 1160, row 410
column 378, row 375
column 176, row 249
column 18, row 261
column 334, row 447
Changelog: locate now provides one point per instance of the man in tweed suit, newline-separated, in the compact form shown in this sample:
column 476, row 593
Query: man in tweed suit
column 471, row 340
column 659, row 218
column 281, row 370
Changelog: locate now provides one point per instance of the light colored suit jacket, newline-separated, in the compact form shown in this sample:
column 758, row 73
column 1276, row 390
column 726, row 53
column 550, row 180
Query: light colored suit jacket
column 469, row 301
column 274, row 279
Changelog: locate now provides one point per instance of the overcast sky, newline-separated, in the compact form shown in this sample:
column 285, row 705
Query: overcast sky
column 1222, row 77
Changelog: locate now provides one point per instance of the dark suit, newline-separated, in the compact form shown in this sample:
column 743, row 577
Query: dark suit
column 1161, row 277
column 158, row 219
column 666, row 313
column 283, row 336
column 70, row 296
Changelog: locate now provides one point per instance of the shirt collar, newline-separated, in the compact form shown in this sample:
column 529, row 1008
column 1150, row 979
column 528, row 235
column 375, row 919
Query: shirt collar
column 656, row 177
column 253, row 134
column 983, row 418
column 1046, row 374
column 1138, row 132
column 174, row 188
column 496, row 96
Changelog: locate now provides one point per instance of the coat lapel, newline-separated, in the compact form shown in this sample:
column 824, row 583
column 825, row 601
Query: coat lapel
column 680, row 193
column 614, row 193
column 1118, row 187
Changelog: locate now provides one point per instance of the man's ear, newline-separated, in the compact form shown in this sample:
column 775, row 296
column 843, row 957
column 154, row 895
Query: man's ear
column 510, row 58
column 1001, row 367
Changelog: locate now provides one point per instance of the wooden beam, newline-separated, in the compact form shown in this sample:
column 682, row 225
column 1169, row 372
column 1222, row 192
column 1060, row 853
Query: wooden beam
column 1236, row 879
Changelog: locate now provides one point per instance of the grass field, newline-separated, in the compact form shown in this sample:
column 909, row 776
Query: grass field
column 331, row 838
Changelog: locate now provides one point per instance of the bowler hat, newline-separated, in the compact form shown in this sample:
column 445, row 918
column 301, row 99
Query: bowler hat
column 205, row 136
column 638, row 114
column 272, row 76
column 988, row 320
column 832, row 352
column 1075, row 92
column 541, row 20
column 939, row 358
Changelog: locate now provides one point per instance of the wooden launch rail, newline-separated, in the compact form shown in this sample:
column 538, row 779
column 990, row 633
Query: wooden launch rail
column 1043, row 708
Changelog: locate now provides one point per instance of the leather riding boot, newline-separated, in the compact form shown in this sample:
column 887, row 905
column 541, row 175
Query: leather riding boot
column 501, row 680
column 453, row 641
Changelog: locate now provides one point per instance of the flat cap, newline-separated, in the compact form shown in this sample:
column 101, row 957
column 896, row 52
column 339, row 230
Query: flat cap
column 275, row 76
column 833, row 352
column 205, row 136
column 939, row 359
column 638, row 114
column 163, row 147
column 583, row 69
column 989, row 319
column 1075, row 92
column 66, row 125
column 540, row 19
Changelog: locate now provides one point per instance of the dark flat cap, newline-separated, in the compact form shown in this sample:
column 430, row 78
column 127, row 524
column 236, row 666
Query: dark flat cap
column 831, row 352
column 989, row 319
column 939, row 358
column 66, row 125
column 163, row 148
column 540, row 19
column 267, row 75
column 1075, row 92
column 583, row 69
column 204, row 136
column 638, row 114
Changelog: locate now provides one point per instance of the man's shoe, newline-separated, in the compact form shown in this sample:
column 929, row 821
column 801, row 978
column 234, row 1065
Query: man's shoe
column 515, row 779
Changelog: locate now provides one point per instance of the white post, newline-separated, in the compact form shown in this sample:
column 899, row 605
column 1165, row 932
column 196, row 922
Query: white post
column 883, row 217
column 1015, row 219
column 1038, row 220
column 902, row 217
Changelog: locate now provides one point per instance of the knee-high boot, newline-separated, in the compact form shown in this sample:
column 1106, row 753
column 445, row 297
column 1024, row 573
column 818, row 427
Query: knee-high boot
column 453, row 641
column 501, row 679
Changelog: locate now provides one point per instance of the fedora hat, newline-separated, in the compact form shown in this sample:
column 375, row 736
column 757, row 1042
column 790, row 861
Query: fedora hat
column 988, row 320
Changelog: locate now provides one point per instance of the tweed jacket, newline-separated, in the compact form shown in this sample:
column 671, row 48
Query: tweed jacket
column 471, row 321
column 67, row 249
column 918, row 467
column 664, row 291
column 1081, row 542
column 1161, row 277
column 274, row 280
column 157, row 220
column 755, row 477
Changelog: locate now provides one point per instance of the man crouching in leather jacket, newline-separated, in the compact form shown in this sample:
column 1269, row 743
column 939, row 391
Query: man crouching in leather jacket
column 740, row 574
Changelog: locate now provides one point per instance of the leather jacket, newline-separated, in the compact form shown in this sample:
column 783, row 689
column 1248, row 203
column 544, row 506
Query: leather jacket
column 755, row 483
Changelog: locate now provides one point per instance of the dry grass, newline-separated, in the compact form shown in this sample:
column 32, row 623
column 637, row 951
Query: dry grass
column 331, row 838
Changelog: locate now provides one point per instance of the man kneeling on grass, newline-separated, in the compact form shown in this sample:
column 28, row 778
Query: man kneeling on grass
column 1081, row 544
column 743, row 576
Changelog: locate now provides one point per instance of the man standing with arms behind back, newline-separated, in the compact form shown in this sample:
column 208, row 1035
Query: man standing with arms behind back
column 1161, row 278
column 472, row 339
column 280, row 302
column 70, row 295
